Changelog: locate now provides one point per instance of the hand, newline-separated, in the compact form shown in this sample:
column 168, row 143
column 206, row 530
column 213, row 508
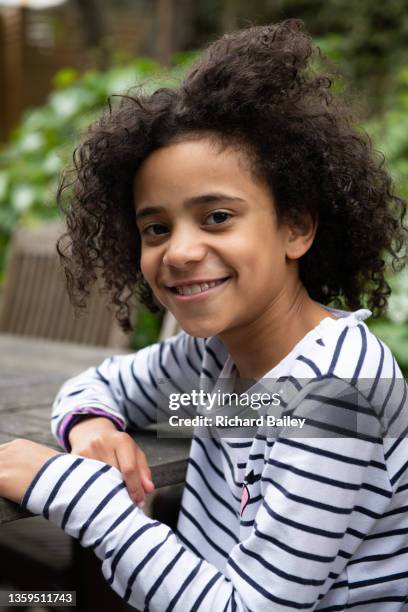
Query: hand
column 98, row 438
column 20, row 460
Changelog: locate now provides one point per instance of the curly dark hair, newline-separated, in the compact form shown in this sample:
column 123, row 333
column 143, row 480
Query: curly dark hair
column 256, row 89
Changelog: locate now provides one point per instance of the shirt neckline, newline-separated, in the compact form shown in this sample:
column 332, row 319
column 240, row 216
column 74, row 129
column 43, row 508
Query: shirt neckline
column 343, row 318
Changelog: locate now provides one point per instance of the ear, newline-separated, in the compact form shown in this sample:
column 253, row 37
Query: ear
column 300, row 236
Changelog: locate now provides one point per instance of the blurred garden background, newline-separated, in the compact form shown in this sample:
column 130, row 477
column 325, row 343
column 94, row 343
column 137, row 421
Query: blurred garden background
column 61, row 60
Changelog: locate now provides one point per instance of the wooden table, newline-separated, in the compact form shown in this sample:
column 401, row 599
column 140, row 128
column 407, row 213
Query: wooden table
column 31, row 372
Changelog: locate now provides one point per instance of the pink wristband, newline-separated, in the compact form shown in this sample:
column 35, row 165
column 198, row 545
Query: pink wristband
column 73, row 417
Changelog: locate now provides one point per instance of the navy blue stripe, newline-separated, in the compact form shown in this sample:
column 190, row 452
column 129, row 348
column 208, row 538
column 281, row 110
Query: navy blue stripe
column 162, row 576
column 225, row 608
column 367, row 512
column 174, row 354
column 335, row 535
column 379, row 557
column 283, row 602
column 401, row 510
column 379, row 370
column 256, row 456
column 398, row 410
column 311, row 476
column 378, row 580
column 394, row 446
column 190, row 363
column 75, row 393
column 209, row 585
column 152, row 379
column 214, row 494
column 337, row 350
column 388, row 534
column 324, row 453
column 396, row 476
column 342, row 431
column 200, row 356
column 294, row 381
column 279, row 572
column 210, row 461
column 338, row 403
column 101, row 377
column 207, row 373
column 81, row 492
column 293, row 551
column 402, row 488
column 27, row 494
column 185, row 584
column 126, row 546
column 308, row 501
column 117, row 522
column 377, row 490
column 141, row 565
column 189, row 545
column 133, row 403
column 203, row 504
column 197, row 525
column 356, row 534
column 59, row 484
column 310, row 363
column 163, row 369
column 141, row 388
column 231, row 467
column 99, row 508
column 214, row 356
column 381, row 413
column 238, row 444
column 361, row 356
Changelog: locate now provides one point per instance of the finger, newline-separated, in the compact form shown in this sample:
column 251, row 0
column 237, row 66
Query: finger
column 128, row 466
column 145, row 472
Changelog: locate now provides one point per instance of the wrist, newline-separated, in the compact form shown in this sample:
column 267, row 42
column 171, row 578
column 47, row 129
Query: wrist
column 89, row 426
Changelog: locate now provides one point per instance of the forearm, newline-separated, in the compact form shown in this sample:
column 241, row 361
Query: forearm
column 142, row 558
column 107, row 390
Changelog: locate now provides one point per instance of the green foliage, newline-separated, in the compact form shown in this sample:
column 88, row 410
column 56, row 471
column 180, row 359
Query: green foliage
column 42, row 145
column 396, row 337
column 147, row 329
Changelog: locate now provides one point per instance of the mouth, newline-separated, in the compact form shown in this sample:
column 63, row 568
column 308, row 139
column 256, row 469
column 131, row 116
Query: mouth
column 197, row 288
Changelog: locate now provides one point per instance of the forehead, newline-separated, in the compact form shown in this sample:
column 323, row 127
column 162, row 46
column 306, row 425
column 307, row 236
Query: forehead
column 189, row 168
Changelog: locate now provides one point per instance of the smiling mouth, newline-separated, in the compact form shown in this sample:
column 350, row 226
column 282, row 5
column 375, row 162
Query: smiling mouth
column 196, row 288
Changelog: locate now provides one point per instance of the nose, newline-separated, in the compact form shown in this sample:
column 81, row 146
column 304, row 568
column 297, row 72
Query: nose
column 184, row 247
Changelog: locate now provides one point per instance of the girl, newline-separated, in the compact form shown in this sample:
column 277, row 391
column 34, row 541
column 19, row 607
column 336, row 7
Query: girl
column 244, row 202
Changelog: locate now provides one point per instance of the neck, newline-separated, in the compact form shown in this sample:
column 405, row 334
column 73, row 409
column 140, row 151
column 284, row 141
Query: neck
column 261, row 345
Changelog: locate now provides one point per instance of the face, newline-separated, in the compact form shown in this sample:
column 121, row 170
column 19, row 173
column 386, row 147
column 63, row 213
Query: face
column 212, row 249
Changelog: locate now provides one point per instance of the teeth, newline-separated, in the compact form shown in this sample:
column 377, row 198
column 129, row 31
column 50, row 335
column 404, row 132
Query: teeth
column 193, row 289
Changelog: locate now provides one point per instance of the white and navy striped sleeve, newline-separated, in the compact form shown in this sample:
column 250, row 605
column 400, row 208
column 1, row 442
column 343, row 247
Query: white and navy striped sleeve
column 131, row 390
column 303, row 532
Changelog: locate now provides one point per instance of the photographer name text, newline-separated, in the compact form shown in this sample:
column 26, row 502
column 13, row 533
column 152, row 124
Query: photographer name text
column 236, row 421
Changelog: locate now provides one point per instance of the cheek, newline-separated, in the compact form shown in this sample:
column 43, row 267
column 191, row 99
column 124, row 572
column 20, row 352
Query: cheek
column 147, row 266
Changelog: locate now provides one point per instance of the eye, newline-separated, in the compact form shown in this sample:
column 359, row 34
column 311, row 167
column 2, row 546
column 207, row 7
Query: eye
column 217, row 217
column 154, row 229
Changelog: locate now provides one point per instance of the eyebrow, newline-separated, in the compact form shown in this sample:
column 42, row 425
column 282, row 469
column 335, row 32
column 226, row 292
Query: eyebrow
column 206, row 198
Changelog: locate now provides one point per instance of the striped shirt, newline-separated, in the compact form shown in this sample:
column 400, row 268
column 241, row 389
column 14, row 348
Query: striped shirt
column 287, row 519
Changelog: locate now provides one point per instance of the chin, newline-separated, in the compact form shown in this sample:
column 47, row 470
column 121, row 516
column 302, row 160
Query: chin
column 201, row 329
